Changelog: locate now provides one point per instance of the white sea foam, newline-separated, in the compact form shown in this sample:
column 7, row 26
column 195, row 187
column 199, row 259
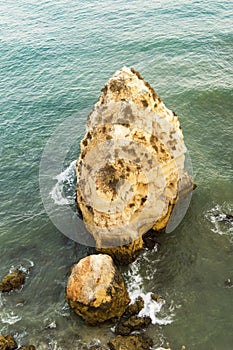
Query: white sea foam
column 9, row 317
column 54, row 346
column 135, row 286
column 219, row 220
column 24, row 266
column 66, row 177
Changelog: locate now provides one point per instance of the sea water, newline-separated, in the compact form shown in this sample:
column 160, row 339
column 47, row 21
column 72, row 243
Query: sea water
column 55, row 58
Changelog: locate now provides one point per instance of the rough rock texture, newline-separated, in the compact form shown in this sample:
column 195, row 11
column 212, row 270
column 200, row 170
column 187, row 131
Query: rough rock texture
column 135, row 307
column 133, row 323
column 13, row 280
column 27, row 347
column 131, row 165
column 7, row 342
column 96, row 290
column 131, row 342
column 126, row 253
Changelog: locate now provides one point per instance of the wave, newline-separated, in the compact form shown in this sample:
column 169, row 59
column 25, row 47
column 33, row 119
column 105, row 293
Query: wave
column 221, row 219
column 9, row 317
column 135, row 285
column 63, row 192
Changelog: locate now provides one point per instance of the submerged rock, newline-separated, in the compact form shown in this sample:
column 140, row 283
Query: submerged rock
column 96, row 290
column 7, row 342
column 131, row 342
column 131, row 167
column 12, row 281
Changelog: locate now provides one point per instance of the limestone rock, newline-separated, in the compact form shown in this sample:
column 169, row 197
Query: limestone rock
column 131, row 165
column 12, row 281
column 7, row 342
column 96, row 290
column 135, row 341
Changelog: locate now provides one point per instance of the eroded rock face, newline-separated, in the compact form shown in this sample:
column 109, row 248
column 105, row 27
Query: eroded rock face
column 96, row 290
column 12, row 281
column 131, row 164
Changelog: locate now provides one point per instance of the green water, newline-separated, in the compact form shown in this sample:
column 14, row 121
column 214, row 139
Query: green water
column 55, row 58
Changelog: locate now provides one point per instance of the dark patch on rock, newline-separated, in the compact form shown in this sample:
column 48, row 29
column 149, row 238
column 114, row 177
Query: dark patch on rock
column 149, row 240
column 12, row 281
column 131, row 342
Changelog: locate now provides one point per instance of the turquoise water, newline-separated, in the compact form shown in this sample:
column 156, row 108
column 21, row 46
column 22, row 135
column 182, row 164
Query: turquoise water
column 55, row 58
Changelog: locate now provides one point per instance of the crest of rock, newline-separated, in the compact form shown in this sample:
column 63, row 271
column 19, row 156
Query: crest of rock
column 96, row 290
column 131, row 164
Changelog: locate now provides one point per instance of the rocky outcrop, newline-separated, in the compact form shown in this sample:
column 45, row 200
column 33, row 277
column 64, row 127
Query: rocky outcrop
column 131, row 167
column 135, row 341
column 12, row 281
column 7, row 342
column 95, row 289
column 135, row 307
column 131, row 324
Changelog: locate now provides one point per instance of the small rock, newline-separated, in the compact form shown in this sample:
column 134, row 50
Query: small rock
column 228, row 283
column 131, row 342
column 229, row 217
column 12, row 281
column 7, row 342
column 96, row 290
column 156, row 297
column 135, row 307
column 133, row 323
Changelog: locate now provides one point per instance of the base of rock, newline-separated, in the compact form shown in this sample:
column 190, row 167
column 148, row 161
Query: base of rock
column 125, row 254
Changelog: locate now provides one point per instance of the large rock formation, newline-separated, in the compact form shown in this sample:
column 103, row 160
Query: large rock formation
column 96, row 290
column 131, row 166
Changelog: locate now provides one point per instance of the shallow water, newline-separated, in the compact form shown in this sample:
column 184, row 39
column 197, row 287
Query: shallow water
column 55, row 58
